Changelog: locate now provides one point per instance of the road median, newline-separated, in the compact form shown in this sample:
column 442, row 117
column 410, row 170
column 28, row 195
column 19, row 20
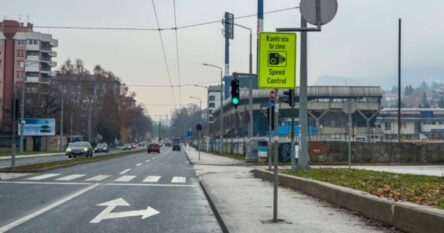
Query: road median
column 40, row 167
column 405, row 216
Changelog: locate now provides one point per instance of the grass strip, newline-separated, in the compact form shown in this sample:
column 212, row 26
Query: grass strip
column 39, row 167
column 422, row 190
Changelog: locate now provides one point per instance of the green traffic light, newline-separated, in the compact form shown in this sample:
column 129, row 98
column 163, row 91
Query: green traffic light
column 235, row 101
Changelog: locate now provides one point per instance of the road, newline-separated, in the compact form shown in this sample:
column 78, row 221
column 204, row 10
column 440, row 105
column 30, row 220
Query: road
column 4, row 163
column 137, row 193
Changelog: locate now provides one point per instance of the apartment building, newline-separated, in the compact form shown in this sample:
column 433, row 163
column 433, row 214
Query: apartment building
column 214, row 96
column 25, row 57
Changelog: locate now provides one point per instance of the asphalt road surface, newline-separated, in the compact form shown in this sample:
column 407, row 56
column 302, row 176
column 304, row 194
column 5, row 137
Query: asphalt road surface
column 137, row 193
column 4, row 163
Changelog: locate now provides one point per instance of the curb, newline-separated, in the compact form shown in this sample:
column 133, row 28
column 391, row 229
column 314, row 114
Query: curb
column 31, row 156
column 186, row 155
column 219, row 219
column 405, row 216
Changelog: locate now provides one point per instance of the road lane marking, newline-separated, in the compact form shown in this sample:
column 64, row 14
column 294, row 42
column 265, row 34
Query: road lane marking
column 86, row 183
column 178, row 179
column 70, row 177
column 137, row 165
column 152, row 179
column 125, row 178
column 111, row 205
column 147, row 161
column 125, row 171
column 98, row 178
column 46, row 209
column 42, row 177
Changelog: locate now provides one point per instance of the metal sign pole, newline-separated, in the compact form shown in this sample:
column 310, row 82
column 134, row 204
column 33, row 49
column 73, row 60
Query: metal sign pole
column 275, row 155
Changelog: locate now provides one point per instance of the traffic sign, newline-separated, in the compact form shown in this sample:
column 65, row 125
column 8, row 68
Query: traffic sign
column 229, row 25
column 199, row 127
column 277, row 60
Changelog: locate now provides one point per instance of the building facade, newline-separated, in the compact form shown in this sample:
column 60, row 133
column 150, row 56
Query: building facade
column 214, row 96
column 25, row 58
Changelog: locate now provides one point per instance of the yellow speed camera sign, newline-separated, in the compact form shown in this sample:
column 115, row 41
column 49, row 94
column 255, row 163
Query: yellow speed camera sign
column 277, row 60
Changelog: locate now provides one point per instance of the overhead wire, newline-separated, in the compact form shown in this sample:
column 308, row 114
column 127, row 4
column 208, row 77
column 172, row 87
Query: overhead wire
column 164, row 53
column 177, row 53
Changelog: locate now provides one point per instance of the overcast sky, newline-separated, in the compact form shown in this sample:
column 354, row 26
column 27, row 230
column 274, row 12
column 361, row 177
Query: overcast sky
column 360, row 43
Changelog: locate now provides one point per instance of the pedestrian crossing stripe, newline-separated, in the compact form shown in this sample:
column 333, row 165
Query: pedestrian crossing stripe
column 70, row 177
column 125, row 178
column 152, row 179
column 42, row 177
column 178, row 179
column 98, row 178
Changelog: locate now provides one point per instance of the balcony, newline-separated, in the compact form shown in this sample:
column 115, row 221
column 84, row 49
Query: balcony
column 53, row 64
column 32, row 59
column 54, row 43
column 32, row 79
column 32, row 47
column 53, row 54
column 33, row 67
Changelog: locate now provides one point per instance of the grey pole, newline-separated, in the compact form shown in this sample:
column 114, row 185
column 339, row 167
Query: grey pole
column 89, row 121
column 22, row 115
column 270, row 149
column 13, row 144
column 303, row 117
column 61, row 119
column 293, row 152
column 221, row 123
column 349, row 139
column 250, row 91
column 399, row 80
column 275, row 155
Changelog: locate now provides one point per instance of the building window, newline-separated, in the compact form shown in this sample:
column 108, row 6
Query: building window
column 35, row 42
column 20, row 74
column 20, row 64
column 20, row 53
column 388, row 126
column 211, row 105
column 212, row 98
column 21, row 42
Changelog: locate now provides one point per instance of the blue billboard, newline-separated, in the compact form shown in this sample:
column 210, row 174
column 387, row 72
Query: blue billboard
column 38, row 127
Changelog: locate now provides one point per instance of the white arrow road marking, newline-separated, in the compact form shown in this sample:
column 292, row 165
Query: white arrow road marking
column 110, row 205
column 138, row 164
column 46, row 209
column 125, row 171
column 42, row 177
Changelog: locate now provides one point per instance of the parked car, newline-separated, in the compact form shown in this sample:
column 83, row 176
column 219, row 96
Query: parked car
column 79, row 149
column 126, row 146
column 101, row 147
column 133, row 146
column 153, row 147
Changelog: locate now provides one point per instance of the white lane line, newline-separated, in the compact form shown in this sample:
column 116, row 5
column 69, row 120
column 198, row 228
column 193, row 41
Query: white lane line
column 147, row 161
column 125, row 171
column 137, row 165
column 98, row 178
column 86, row 183
column 125, row 178
column 46, row 209
column 70, row 177
column 152, row 179
column 42, row 177
column 178, row 179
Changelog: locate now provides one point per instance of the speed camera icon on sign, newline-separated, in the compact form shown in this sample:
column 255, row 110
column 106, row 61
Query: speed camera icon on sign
column 277, row 58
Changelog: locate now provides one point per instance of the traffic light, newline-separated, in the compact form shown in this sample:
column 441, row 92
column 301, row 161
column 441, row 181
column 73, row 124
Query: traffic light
column 288, row 97
column 235, row 99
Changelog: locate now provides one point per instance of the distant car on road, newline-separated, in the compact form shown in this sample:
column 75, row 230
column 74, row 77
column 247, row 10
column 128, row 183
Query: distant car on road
column 153, row 147
column 101, row 147
column 126, row 146
column 133, row 146
column 79, row 149
column 176, row 144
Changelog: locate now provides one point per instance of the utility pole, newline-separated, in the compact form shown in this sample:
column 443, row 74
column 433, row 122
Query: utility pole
column 292, row 144
column 303, row 117
column 89, row 120
column 61, row 119
column 22, row 115
column 399, row 80
column 14, row 107
column 275, row 156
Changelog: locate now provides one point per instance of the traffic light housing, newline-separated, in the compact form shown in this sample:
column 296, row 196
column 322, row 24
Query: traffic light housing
column 288, row 97
column 235, row 97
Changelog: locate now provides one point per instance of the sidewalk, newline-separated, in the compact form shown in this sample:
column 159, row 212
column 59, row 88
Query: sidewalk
column 245, row 203
column 31, row 156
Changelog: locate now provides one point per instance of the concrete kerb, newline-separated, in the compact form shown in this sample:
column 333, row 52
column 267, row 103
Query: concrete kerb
column 31, row 156
column 408, row 217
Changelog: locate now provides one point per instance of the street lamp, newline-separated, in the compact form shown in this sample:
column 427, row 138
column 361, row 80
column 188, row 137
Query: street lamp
column 221, row 116
column 250, row 83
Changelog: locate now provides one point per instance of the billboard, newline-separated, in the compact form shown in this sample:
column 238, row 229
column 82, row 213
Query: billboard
column 38, row 127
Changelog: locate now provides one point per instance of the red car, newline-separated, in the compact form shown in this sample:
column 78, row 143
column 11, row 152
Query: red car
column 153, row 147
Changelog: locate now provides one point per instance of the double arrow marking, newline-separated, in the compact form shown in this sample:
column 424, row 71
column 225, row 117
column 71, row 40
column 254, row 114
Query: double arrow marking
column 110, row 205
